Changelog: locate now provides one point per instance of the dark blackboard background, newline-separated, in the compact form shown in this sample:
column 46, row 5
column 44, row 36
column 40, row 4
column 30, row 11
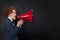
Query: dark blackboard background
column 46, row 18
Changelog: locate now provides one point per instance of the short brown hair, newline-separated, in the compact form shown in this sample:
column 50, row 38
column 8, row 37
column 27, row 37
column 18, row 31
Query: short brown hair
column 9, row 11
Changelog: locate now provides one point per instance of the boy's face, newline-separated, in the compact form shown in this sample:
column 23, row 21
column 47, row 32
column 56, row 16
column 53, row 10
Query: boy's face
column 13, row 14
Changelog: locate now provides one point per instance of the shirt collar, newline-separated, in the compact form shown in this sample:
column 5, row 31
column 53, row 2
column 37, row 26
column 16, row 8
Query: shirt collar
column 10, row 19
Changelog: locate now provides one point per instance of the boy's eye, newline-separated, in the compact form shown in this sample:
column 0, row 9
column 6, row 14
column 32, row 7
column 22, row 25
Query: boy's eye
column 14, row 12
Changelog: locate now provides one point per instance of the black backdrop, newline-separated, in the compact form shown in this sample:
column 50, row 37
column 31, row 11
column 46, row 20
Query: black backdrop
column 46, row 22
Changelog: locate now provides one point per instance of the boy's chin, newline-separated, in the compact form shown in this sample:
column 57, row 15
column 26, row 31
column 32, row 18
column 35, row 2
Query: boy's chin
column 14, row 19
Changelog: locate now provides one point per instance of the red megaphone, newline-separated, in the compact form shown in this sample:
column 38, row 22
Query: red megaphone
column 26, row 16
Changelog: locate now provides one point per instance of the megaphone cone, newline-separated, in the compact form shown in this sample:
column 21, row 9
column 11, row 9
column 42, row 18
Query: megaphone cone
column 26, row 16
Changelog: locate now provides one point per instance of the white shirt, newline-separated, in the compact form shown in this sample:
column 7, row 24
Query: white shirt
column 10, row 19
